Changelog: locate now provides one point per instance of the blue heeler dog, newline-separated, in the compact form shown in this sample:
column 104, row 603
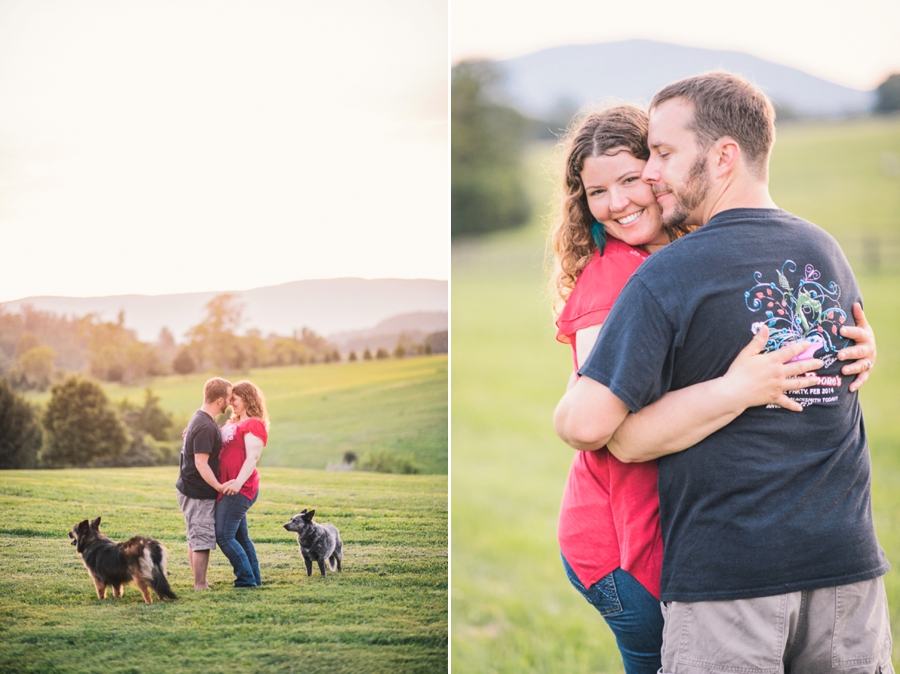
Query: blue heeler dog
column 318, row 542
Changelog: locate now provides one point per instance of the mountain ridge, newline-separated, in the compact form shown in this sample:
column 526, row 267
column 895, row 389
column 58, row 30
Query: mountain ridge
column 540, row 83
column 324, row 305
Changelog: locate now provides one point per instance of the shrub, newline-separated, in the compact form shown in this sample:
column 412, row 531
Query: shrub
column 81, row 427
column 36, row 365
column 149, row 427
column 437, row 342
column 183, row 363
column 150, row 418
column 888, row 95
column 20, row 430
column 385, row 462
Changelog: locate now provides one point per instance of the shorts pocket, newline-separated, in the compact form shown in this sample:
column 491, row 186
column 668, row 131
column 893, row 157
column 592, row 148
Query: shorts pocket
column 862, row 632
column 742, row 636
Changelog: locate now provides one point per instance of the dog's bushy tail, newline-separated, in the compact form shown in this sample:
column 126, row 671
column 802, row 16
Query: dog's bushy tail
column 158, row 582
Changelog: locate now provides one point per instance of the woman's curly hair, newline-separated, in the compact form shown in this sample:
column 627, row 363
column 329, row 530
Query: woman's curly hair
column 590, row 135
column 254, row 401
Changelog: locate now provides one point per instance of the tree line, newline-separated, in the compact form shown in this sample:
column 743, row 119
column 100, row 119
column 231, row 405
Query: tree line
column 38, row 348
column 80, row 426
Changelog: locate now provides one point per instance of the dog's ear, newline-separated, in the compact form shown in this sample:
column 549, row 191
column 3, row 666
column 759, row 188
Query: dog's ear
column 96, row 524
column 82, row 530
column 309, row 515
column 303, row 512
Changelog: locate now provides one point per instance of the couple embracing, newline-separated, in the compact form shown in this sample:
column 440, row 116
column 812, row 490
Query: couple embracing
column 718, row 513
column 218, row 480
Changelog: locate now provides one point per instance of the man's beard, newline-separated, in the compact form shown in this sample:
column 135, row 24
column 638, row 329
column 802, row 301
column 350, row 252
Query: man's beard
column 689, row 197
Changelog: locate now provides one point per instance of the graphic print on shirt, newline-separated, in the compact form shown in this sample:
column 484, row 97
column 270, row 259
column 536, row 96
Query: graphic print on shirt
column 808, row 310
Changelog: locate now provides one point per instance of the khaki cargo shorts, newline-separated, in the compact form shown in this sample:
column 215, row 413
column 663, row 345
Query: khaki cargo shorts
column 842, row 629
column 200, row 520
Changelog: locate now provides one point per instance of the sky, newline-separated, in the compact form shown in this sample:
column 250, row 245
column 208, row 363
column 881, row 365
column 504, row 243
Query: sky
column 168, row 146
column 158, row 147
column 853, row 44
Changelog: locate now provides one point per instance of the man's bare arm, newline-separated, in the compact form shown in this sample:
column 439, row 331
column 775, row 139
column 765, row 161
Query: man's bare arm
column 201, row 460
column 682, row 418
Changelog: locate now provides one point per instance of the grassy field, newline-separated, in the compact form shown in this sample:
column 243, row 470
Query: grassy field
column 845, row 177
column 319, row 412
column 387, row 611
column 512, row 608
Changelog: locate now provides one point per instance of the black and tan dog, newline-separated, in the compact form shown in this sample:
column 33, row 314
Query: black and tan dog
column 139, row 559
column 318, row 542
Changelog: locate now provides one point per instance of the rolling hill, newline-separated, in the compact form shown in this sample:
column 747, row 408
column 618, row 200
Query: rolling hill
column 319, row 412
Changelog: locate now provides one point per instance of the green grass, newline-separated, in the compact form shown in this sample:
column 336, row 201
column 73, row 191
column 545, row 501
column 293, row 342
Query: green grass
column 842, row 175
column 319, row 412
column 387, row 611
column 513, row 610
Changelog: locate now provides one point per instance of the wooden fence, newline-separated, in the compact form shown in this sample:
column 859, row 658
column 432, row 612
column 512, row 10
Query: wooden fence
column 874, row 256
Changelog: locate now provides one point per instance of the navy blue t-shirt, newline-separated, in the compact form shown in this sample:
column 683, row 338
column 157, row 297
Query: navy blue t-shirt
column 202, row 437
column 777, row 501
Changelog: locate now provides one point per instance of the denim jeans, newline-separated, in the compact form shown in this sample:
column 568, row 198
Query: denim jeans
column 633, row 614
column 233, row 537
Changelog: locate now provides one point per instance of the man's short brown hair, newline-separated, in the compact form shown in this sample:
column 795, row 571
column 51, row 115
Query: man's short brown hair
column 726, row 104
column 216, row 388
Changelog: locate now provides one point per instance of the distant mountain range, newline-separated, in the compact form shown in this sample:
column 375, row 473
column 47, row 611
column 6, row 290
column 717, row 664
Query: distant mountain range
column 562, row 79
column 413, row 327
column 326, row 306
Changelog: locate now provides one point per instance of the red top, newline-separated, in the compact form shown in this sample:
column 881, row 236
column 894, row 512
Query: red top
column 609, row 517
column 234, row 453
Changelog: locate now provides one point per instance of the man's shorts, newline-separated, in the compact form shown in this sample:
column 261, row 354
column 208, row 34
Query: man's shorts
column 842, row 629
column 200, row 519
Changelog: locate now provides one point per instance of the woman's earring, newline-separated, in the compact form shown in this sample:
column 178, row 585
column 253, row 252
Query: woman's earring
column 598, row 234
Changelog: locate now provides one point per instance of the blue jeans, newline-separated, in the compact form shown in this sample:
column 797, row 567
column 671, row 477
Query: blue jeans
column 233, row 537
column 633, row 614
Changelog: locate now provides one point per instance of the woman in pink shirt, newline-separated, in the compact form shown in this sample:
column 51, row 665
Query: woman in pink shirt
column 243, row 439
column 609, row 533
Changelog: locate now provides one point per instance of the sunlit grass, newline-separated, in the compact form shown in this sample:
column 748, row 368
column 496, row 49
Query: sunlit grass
column 386, row 612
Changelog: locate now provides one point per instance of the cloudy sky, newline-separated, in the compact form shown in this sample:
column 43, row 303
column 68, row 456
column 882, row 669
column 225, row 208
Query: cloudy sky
column 162, row 146
column 854, row 44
